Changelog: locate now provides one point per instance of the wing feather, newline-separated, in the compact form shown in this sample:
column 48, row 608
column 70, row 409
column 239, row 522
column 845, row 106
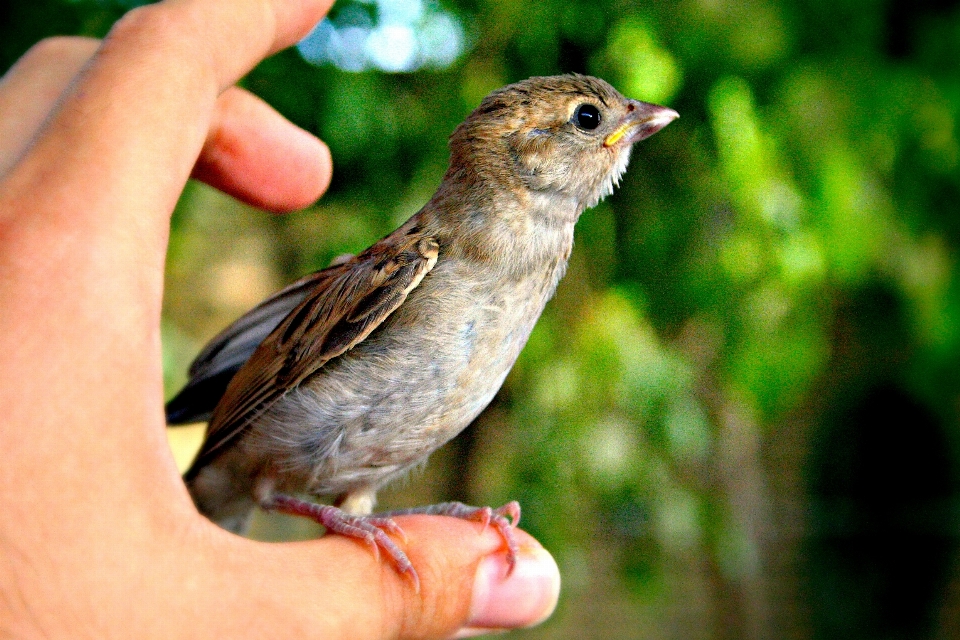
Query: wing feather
column 214, row 367
column 347, row 303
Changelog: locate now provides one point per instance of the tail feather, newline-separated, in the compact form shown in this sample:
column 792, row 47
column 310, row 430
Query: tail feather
column 197, row 400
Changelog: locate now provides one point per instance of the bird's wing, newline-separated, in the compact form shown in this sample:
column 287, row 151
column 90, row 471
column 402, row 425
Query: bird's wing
column 214, row 367
column 346, row 303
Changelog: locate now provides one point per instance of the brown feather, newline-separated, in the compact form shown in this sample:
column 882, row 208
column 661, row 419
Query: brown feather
column 347, row 303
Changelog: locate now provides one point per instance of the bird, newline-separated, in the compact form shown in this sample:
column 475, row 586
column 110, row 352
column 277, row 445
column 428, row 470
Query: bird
column 353, row 375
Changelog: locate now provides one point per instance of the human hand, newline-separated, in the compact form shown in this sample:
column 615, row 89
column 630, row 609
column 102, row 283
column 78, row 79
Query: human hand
column 99, row 535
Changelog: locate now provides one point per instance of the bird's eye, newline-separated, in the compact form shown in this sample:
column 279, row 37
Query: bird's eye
column 587, row 117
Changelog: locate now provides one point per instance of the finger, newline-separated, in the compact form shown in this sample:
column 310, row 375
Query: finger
column 251, row 152
column 463, row 584
column 457, row 565
column 84, row 215
column 255, row 154
column 140, row 113
column 92, row 197
column 31, row 88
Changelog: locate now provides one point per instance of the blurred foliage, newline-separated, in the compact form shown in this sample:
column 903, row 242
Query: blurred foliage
column 738, row 418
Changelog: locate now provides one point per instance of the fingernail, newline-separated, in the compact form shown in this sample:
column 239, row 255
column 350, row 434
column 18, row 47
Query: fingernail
column 526, row 598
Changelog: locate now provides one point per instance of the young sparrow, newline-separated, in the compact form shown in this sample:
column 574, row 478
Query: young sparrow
column 351, row 376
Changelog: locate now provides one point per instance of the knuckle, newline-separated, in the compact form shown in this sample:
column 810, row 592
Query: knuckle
column 181, row 34
column 152, row 21
column 162, row 34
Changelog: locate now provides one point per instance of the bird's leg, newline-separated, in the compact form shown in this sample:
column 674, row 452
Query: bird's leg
column 371, row 530
column 503, row 520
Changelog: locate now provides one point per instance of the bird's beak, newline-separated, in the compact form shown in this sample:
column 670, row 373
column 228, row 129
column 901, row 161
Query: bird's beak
column 642, row 121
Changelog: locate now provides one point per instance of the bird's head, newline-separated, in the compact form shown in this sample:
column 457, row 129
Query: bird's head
column 568, row 136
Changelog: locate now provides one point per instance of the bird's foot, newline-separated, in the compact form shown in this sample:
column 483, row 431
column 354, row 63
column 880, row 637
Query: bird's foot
column 503, row 519
column 372, row 530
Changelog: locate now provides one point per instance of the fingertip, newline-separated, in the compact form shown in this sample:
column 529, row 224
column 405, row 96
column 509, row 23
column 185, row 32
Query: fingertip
column 258, row 156
column 319, row 180
column 228, row 38
column 299, row 178
column 504, row 599
column 466, row 585
column 296, row 19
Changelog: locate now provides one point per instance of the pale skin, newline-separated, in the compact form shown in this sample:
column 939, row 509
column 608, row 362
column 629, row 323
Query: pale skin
column 98, row 536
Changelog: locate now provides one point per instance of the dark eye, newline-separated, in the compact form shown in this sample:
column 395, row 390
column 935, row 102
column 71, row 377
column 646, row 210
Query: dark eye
column 587, row 117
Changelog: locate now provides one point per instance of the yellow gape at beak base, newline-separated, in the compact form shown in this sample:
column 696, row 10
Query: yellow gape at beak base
column 614, row 137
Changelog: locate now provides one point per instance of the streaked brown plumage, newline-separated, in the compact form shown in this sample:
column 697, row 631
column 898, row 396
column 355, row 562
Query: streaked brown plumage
column 360, row 371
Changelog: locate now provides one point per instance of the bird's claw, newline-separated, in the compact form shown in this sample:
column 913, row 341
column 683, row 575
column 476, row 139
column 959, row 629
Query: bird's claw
column 375, row 530
column 371, row 530
column 504, row 519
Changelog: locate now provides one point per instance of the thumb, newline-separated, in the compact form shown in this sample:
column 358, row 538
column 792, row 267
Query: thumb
column 335, row 588
column 465, row 589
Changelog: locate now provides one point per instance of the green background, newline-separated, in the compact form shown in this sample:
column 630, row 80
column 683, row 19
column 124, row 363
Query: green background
column 739, row 416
